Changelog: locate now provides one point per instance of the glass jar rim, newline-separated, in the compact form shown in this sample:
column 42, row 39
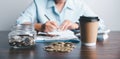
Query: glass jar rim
column 23, row 27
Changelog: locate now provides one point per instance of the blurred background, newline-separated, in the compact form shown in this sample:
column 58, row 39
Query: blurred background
column 108, row 10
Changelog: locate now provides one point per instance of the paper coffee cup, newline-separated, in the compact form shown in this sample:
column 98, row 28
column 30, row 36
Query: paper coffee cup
column 88, row 29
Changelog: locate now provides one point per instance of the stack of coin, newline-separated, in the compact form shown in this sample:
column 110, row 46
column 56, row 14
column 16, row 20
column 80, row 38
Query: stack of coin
column 19, row 41
column 60, row 47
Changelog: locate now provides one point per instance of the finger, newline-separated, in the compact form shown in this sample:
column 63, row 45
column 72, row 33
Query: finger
column 51, row 24
column 48, row 29
column 66, row 26
column 52, row 27
column 54, row 24
column 63, row 26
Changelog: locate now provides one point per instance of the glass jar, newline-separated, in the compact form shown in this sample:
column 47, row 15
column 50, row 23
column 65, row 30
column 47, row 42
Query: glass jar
column 22, row 36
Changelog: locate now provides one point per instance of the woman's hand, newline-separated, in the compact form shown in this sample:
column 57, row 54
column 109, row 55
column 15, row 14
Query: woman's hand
column 50, row 26
column 67, row 24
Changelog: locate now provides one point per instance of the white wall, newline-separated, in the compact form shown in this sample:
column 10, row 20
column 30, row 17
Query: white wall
column 10, row 11
column 109, row 10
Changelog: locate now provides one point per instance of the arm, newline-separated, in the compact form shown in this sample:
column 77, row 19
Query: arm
column 28, row 16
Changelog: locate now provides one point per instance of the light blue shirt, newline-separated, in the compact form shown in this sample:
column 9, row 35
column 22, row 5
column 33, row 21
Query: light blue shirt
column 72, row 11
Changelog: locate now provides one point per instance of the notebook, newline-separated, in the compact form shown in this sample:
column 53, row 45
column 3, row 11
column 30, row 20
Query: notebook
column 56, row 36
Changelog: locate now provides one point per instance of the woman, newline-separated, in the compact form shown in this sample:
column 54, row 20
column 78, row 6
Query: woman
column 56, row 14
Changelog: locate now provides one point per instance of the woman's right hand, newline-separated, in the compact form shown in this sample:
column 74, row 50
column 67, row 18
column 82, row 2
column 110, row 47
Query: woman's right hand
column 50, row 26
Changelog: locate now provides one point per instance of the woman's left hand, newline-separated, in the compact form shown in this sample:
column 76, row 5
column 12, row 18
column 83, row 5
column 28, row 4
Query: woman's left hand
column 67, row 24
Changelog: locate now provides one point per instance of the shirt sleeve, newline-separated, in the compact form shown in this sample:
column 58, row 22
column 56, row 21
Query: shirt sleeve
column 29, row 15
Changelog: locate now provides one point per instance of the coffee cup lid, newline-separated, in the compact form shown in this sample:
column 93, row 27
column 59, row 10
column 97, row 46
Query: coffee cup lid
column 88, row 19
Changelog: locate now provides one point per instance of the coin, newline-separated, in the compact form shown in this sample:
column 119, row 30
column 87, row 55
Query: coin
column 60, row 47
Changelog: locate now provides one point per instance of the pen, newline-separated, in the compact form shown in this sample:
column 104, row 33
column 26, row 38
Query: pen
column 47, row 17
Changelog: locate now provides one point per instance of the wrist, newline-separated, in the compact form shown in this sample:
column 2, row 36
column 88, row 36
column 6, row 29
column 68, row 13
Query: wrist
column 43, row 28
column 38, row 27
column 76, row 26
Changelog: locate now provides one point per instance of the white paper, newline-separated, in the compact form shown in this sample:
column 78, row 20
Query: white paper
column 63, row 35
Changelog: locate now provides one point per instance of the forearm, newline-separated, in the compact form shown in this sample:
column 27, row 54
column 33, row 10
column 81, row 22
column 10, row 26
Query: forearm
column 28, row 15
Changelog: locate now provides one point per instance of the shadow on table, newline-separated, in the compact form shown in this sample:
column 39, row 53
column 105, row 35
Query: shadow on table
column 88, row 53
column 27, row 53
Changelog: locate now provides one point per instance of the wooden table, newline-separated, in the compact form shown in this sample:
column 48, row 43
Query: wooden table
column 109, row 49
